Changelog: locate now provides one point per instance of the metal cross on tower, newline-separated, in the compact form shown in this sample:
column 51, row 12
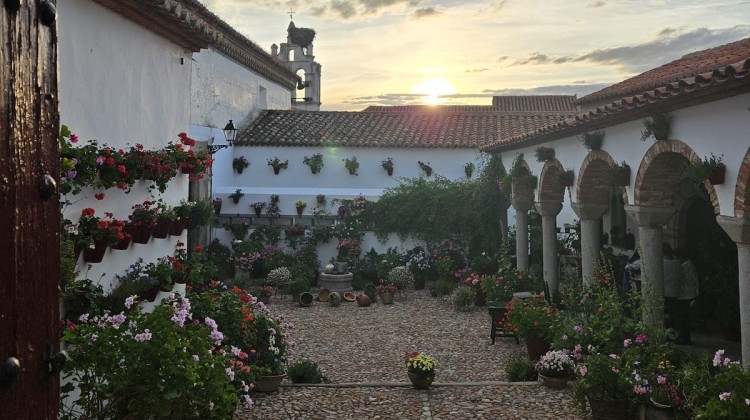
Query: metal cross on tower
column 291, row 12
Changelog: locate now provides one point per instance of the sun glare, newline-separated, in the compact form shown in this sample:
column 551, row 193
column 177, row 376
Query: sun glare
column 433, row 89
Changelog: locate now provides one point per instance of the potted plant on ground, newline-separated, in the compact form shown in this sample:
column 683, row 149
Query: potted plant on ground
column 300, row 206
column 388, row 166
column 315, row 162
column 258, row 207
column 425, row 167
column 421, row 368
column 351, row 165
column 603, row 383
column 277, row 164
column 708, row 168
column 592, row 140
column 658, row 126
column 555, row 368
column 533, row 320
column 236, row 195
column 240, row 163
column 386, row 292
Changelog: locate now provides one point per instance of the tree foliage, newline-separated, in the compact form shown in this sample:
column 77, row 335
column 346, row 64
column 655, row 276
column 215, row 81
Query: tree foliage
column 467, row 211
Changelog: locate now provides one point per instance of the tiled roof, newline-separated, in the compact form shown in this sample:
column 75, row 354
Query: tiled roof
column 724, row 81
column 688, row 66
column 535, row 103
column 401, row 126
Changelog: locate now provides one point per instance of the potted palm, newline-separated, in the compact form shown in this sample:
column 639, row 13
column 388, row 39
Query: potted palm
column 240, row 163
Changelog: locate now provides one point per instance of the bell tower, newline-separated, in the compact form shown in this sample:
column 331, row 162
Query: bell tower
column 298, row 52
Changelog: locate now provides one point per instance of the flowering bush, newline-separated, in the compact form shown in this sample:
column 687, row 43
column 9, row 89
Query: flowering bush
column 418, row 263
column 401, row 277
column 420, row 363
column 111, row 372
column 273, row 206
column 386, row 288
column 556, row 364
column 727, row 391
column 348, row 249
column 603, row 377
column 280, row 277
column 530, row 317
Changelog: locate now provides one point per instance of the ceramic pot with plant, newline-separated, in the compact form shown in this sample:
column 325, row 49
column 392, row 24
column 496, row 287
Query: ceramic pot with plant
column 425, row 167
column 277, row 164
column 240, row 163
column 533, row 320
column 351, row 165
column 258, row 207
column 216, row 203
column 388, row 166
column 300, row 206
column 555, row 368
column 421, row 368
column 315, row 162
column 236, row 195
column 164, row 220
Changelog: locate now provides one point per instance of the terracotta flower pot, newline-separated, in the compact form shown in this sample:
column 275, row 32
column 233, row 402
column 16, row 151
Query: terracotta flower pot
column 95, row 254
column 177, row 226
column 421, row 381
column 142, row 234
column 363, row 300
column 269, row 383
column 162, row 229
column 124, row 243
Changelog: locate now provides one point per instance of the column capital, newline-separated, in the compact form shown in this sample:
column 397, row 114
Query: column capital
column 521, row 204
column 650, row 216
column 738, row 228
column 548, row 208
column 589, row 211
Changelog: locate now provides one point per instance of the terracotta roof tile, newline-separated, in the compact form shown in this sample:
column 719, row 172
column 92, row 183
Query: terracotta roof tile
column 724, row 81
column 689, row 65
column 403, row 126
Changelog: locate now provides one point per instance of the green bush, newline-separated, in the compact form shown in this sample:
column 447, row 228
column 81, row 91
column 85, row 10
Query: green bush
column 306, row 372
column 443, row 287
column 462, row 299
column 519, row 369
column 297, row 287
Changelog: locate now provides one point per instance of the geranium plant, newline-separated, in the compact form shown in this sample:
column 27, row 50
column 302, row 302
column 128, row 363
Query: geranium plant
column 145, row 214
column 277, row 164
column 556, row 364
column 348, row 249
column 386, row 288
column 420, row 363
column 91, row 229
column 240, row 163
column 531, row 318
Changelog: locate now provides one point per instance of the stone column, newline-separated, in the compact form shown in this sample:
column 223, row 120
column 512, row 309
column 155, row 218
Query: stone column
column 650, row 221
column 591, row 236
column 549, row 211
column 738, row 228
column 522, row 233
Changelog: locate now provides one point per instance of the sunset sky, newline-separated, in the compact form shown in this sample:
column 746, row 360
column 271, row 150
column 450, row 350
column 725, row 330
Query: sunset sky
column 398, row 52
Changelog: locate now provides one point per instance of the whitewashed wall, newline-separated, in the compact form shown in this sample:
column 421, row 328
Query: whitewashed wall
column 719, row 127
column 224, row 90
column 121, row 84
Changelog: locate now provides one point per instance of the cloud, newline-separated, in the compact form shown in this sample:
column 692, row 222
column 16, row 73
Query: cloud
column 374, row 6
column 503, row 58
column 344, row 9
column 476, row 70
column 426, row 12
column 392, row 99
column 669, row 44
column 596, row 4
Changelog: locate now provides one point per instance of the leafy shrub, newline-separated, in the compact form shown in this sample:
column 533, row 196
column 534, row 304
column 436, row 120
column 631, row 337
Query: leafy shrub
column 279, row 278
column 297, row 287
column 519, row 369
column 443, row 287
column 401, row 277
column 462, row 298
column 306, row 372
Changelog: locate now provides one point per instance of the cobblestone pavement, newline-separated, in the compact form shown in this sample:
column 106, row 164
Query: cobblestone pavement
column 360, row 350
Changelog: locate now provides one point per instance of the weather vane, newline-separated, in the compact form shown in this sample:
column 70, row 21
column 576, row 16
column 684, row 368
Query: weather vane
column 291, row 12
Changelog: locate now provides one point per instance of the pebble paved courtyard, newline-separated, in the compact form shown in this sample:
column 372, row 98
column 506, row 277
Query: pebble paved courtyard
column 360, row 350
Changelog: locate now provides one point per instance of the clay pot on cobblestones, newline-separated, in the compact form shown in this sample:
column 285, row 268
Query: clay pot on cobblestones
column 363, row 300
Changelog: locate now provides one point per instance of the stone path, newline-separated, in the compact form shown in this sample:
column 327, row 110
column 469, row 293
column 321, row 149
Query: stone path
column 360, row 350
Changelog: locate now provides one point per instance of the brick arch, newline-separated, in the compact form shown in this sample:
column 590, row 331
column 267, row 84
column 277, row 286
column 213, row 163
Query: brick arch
column 592, row 186
column 660, row 172
column 742, row 188
column 521, row 191
column 550, row 188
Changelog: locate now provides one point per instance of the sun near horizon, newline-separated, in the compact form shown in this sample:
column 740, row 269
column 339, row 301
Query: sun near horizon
column 433, row 90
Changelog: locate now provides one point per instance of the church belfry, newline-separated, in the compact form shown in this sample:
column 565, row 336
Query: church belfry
column 298, row 52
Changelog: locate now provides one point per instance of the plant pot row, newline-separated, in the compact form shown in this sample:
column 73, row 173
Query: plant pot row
column 139, row 235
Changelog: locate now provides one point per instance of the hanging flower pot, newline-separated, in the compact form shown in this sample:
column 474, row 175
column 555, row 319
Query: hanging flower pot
column 162, row 229
column 177, row 226
column 718, row 175
column 124, row 243
column 217, row 206
column 142, row 234
column 95, row 254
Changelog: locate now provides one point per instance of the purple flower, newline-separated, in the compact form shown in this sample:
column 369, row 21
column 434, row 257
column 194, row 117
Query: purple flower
column 144, row 336
column 248, row 401
column 130, row 301
column 83, row 318
column 627, row 342
column 71, row 173
column 94, row 337
column 100, row 160
column 230, row 373
column 73, row 138
column 211, row 323
column 724, row 395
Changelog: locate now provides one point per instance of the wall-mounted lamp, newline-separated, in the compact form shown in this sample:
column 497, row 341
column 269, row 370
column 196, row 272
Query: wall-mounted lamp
column 230, row 133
